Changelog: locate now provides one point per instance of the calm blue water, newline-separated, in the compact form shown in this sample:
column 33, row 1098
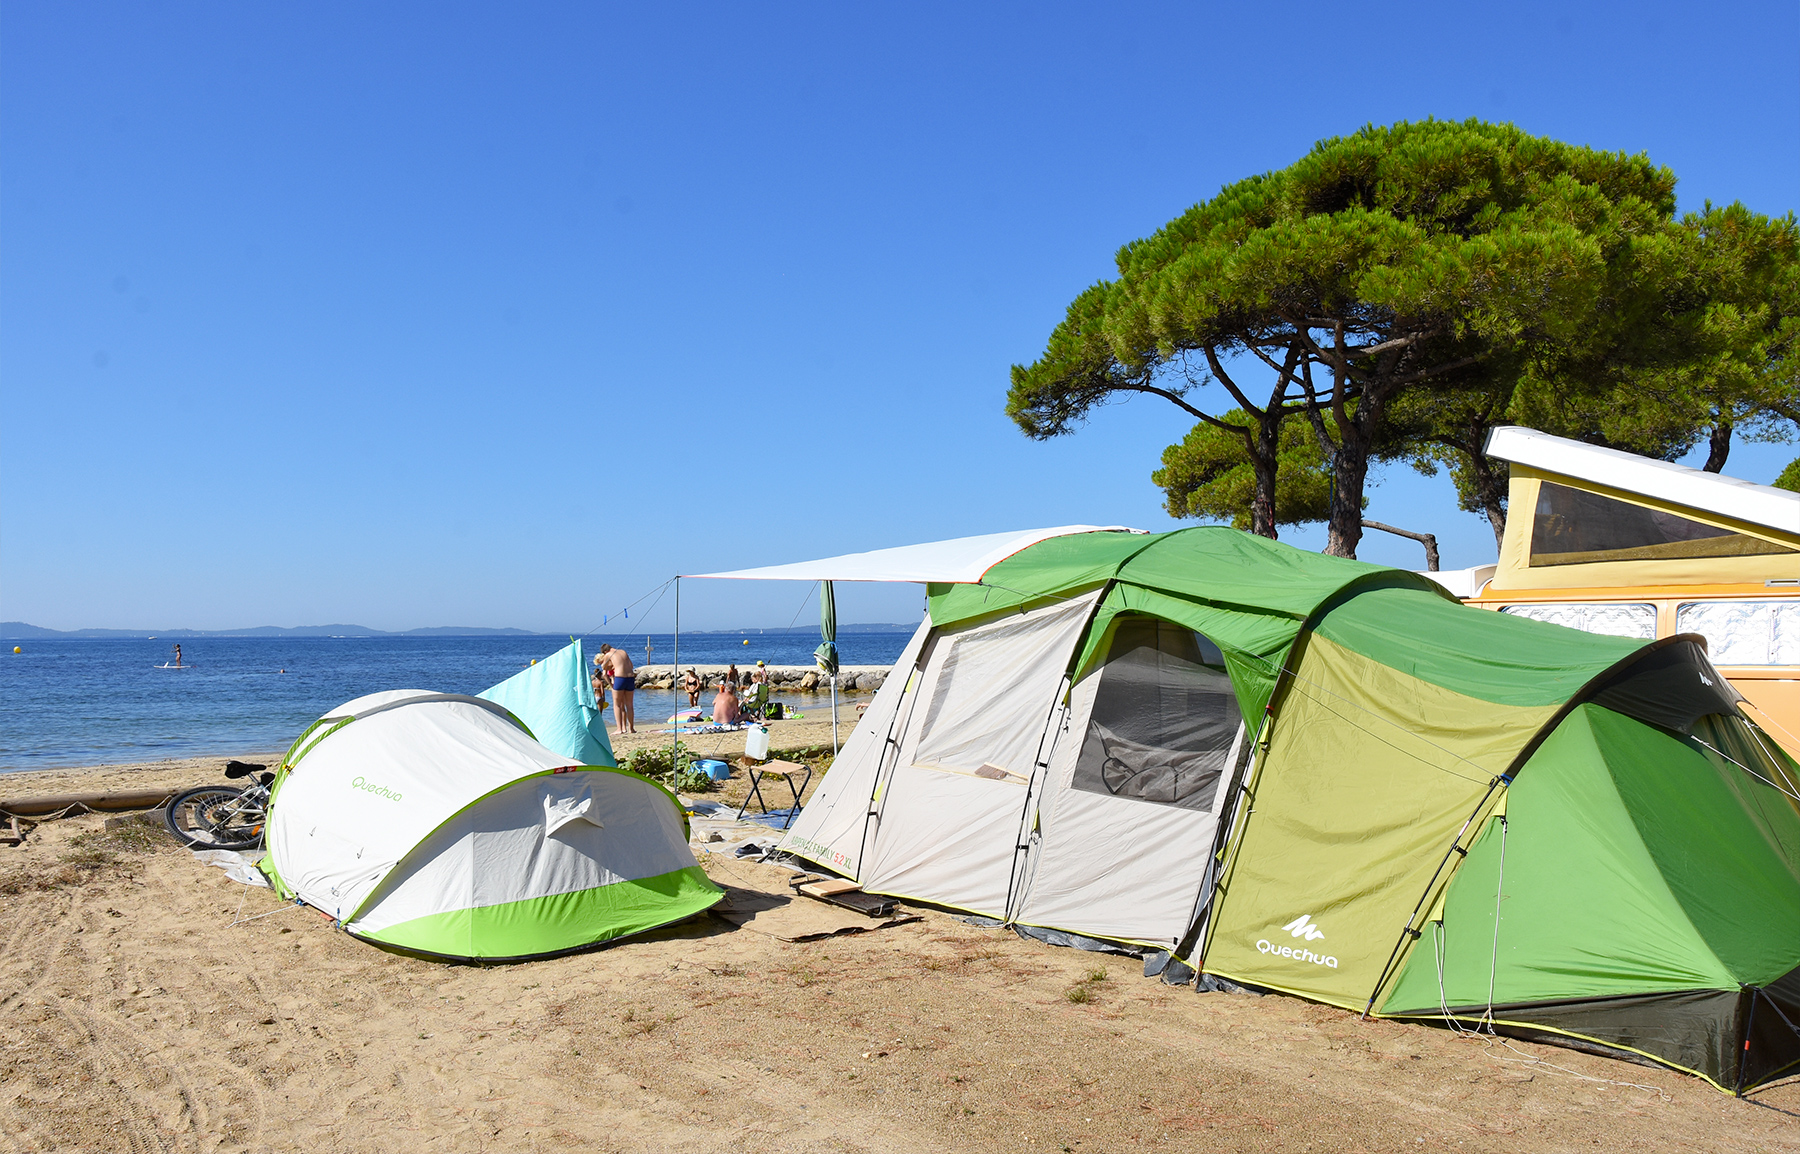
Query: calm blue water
column 99, row 702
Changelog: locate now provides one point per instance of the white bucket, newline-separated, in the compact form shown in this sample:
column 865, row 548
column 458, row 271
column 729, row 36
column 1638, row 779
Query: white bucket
column 756, row 743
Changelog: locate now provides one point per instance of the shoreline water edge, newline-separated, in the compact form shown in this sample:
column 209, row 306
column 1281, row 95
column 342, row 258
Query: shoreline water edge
column 67, row 704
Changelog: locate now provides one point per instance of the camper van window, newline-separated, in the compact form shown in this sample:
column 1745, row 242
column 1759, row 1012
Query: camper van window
column 1164, row 717
column 1608, row 618
column 1744, row 632
column 1574, row 527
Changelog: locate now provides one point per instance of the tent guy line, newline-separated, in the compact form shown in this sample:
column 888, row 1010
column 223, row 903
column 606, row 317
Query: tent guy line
column 1748, row 770
column 626, row 612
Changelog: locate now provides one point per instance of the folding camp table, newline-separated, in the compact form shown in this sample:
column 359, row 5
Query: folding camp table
column 787, row 769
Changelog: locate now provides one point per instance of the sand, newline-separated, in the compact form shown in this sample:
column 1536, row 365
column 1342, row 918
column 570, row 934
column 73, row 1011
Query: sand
column 141, row 1008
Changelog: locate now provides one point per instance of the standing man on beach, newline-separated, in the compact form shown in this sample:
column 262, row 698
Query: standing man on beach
column 624, row 681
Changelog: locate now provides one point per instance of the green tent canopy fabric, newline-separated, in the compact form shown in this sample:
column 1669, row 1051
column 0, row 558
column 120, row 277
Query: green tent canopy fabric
column 1317, row 776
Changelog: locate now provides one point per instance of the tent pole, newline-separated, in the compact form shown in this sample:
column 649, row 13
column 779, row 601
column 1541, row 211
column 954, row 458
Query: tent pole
column 828, row 599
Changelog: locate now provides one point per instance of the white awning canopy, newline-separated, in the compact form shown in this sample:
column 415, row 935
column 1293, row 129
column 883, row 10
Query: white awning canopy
column 1676, row 484
column 959, row 560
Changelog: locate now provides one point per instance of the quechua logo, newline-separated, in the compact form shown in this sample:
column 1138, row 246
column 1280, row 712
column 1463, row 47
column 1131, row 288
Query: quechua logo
column 1305, row 928
column 370, row 787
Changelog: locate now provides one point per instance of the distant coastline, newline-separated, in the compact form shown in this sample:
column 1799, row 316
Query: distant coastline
column 21, row 631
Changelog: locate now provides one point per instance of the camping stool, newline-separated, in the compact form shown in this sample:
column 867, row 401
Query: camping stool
column 787, row 769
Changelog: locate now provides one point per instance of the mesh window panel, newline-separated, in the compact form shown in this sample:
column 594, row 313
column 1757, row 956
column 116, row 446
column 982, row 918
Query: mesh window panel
column 1574, row 527
column 1744, row 632
column 1164, row 718
column 1609, row 618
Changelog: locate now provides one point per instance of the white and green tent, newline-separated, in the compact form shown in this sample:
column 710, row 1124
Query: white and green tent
column 434, row 824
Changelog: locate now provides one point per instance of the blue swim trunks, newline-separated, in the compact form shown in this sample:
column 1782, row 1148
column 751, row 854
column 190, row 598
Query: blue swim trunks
column 624, row 684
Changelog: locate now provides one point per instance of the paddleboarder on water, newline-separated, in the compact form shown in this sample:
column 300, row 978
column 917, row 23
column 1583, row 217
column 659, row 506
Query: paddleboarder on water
column 178, row 656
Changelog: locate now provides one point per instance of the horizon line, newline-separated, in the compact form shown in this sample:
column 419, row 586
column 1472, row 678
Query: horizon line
column 15, row 631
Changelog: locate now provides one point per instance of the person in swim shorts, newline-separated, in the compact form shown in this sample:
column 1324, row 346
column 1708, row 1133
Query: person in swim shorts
column 617, row 664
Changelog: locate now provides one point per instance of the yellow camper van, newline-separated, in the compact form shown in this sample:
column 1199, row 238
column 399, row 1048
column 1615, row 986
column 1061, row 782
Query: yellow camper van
column 1611, row 542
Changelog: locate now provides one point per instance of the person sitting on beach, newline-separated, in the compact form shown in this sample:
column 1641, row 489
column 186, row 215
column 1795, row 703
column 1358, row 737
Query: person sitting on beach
column 725, row 705
column 624, row 682
column 690, row 682
column 757, row 697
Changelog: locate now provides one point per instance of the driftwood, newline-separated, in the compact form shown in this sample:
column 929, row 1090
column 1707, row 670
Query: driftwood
column 73, row 802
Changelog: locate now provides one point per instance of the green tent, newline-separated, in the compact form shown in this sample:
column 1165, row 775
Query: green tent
column 1327, row 778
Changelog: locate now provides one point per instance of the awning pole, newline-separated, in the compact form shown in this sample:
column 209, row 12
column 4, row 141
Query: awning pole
column 675, row 682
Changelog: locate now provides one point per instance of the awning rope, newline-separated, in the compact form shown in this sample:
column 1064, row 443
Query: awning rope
column 1747, row 769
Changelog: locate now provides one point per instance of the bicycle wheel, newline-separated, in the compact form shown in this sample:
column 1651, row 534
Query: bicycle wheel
column 215, row 817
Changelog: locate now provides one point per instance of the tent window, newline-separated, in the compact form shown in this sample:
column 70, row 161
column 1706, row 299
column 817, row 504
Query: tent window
column 1164, row 717
column 1609, row 618
column 1574, row 527
column 993, row 694
column 1744, row 632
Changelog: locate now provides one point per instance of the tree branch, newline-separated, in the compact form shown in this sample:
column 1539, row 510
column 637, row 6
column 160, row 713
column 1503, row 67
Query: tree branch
column 1174, row 397
column 1237, row 394
column 1312, row 412
column 1429, row 540
column 1433, row 371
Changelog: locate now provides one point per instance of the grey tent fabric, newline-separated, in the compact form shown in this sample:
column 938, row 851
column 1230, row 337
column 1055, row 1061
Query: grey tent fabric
column 1672, row 687
column 1164, row 718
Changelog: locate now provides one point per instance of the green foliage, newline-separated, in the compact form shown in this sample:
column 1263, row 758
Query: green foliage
column 673, row 765
column 1411, row 286
column 1209, row 475
column 1790, row 477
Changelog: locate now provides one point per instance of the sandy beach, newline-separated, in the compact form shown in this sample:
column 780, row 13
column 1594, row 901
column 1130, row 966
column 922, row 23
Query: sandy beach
column 150, row 1003
column 811, row 730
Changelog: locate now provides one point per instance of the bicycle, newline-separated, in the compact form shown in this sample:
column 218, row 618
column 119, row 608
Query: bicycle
column 223, row 816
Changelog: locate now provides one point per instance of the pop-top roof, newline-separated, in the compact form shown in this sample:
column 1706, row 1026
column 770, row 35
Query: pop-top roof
column 1676, row 484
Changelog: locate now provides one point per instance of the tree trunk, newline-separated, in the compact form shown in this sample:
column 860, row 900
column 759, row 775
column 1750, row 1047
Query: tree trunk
column 1263, row 462
column 1349, row 469
column 1720, row 446
column 1490, row 492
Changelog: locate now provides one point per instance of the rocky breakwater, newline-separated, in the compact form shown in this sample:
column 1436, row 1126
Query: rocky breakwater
column 788, row 678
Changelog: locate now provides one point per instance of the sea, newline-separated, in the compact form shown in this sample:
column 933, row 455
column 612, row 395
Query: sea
column 66, row 702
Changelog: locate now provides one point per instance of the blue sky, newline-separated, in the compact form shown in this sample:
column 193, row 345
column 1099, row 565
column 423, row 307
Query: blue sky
column 412, row 315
